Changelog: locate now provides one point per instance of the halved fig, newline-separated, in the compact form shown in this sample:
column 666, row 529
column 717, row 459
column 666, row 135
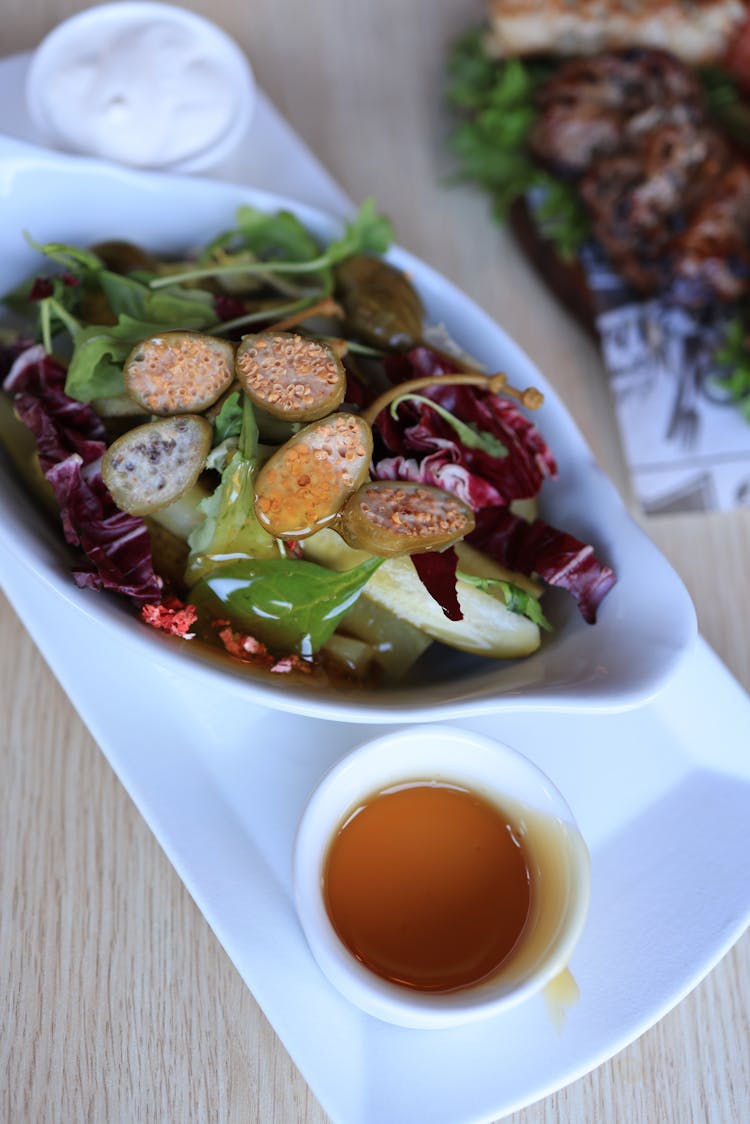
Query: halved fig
column 154, row 464
column 291, row 376
column 394, row 517
column 179, row 372
column 308, row 480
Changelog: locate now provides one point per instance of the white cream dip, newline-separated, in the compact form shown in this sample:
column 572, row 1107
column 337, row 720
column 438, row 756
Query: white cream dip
column 151, row 92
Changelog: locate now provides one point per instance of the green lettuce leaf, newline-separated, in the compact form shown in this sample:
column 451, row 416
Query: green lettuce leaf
column 230, row 528
column 228, row 421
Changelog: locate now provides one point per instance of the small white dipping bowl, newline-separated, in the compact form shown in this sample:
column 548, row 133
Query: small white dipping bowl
column 556, row 853
column 144, row 84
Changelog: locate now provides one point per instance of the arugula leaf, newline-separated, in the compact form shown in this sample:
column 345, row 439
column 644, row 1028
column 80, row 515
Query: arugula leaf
column 74, row 258
column 276, row 236
column 367, row 233
column 496, row 100
column 469, row 434
column 517, row 600
column 99, row 350
column 259, row 237
column 132, row 294
column 172, row 307
column 289, row 605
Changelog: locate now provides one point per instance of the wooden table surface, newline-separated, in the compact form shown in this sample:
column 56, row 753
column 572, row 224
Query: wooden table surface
column 118, row 1003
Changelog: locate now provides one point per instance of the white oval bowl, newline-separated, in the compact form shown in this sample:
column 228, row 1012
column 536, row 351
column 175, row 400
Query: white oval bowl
column 508, row 779
column 645, row 625
column 86, row 31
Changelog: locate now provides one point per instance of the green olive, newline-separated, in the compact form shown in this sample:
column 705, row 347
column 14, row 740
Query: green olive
column 381, row 305
column 124, row 257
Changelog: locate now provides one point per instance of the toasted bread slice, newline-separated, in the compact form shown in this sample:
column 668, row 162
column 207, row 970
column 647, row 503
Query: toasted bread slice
column 697, row 31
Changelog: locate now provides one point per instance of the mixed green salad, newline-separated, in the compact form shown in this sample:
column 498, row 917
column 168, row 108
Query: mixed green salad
column 261, row 447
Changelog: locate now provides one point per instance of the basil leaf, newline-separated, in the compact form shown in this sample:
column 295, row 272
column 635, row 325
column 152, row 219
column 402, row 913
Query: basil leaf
column 292, row 606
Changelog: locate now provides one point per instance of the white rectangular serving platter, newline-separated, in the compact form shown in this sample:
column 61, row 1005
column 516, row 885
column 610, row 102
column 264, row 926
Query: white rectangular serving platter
column 222, row 783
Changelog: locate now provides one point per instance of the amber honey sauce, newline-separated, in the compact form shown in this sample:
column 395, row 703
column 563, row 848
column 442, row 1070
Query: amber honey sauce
column 430, row 885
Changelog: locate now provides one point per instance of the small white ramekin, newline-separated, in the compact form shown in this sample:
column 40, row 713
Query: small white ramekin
column 559, row 864
column 91, row 38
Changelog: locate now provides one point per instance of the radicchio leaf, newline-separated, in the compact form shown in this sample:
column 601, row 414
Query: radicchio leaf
column 60, row 424
column 419, row 432
column 117, row 544
column 557, row 557
column 440, row 470
column 70, row 444
column 437, row 572
column 9, row 352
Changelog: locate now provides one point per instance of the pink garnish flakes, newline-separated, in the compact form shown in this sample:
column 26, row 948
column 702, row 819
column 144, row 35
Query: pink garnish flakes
column 246, row 647
column 242, row 645
column 292, row 663
column 293, row 549
column 171, row 616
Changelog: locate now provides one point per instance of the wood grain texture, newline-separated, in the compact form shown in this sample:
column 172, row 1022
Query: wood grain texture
column 118, row 1003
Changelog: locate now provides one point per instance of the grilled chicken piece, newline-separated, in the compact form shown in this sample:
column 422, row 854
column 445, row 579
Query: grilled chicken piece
column 712, row 257
column 641, row 199
column 638, row 256
column 669, row 200
column 697, row 31
column 592, row 106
